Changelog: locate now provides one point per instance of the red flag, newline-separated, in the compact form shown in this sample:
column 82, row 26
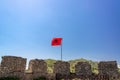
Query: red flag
column 56, row 41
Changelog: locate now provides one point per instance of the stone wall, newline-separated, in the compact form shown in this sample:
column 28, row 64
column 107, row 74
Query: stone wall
column 109, row 67
column 62, row 68
column 38, row 67
column 12, row 66
column 83, row 68
column 15, row 66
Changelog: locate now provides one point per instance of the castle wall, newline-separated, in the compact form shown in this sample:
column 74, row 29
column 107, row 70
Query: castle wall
column 83, row 68
column 38, row 68
column 12, row 66
column 62, row 68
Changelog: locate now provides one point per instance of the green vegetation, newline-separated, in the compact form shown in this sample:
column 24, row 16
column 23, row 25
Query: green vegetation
column 50, row 63
column 119, row 70
column 9, row 78
column 94, row 65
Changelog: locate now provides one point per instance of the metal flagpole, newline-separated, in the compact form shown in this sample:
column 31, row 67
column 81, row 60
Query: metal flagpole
column 61, row 51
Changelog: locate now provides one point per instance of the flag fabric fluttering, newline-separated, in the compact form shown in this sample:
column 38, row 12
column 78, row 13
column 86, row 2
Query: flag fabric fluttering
column 56, row 42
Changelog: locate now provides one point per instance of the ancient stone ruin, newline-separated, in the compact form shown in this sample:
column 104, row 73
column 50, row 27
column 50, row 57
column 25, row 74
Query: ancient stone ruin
column 38, row 68
column 108, row 68
column 62, row 68
column 12, row 66
column 83, row 68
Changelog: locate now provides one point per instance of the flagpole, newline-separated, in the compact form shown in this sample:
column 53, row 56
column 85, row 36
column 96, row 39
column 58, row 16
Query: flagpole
column 61, row 51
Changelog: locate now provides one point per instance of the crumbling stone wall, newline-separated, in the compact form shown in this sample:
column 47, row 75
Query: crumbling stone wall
column 110, row 68
column 38, row 68
column 28, row 76
column 62, row 68
column 83, row 68
column 15, row 66
column 12, row 66
column 51, row 76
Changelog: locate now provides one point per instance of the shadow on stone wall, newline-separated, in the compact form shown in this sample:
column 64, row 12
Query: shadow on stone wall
column 12, row 66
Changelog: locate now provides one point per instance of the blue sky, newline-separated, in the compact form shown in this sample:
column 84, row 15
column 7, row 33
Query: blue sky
column 90, row 29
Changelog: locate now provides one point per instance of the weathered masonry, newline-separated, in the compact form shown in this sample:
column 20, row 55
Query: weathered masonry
column 12, row 66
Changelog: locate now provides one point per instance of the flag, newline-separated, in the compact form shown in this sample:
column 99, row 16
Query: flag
column 56, row 41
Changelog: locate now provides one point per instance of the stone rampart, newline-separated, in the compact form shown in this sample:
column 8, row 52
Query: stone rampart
column 12, row 66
